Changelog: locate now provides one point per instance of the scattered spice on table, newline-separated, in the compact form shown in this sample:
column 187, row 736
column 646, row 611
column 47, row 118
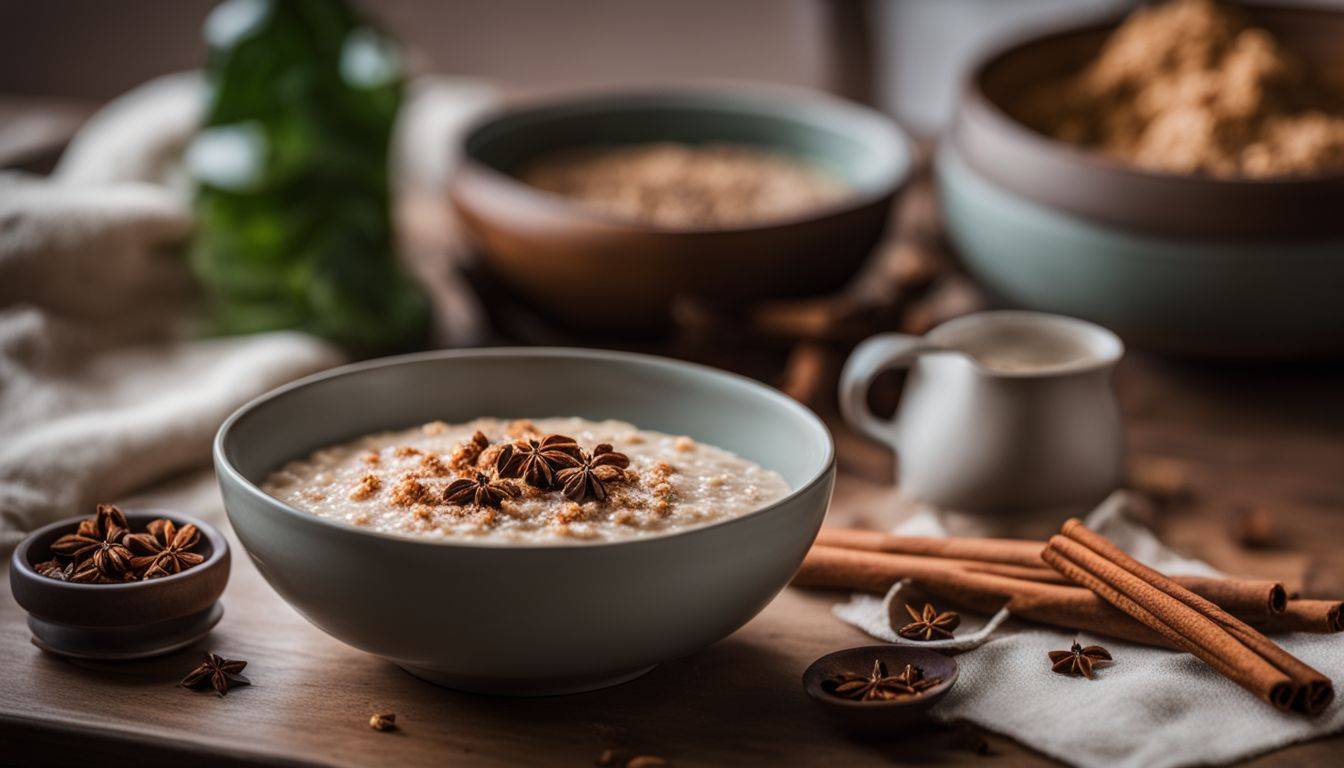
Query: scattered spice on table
column 930, row 624
column 1079, row 661
column 383, row 722
column 217, row 672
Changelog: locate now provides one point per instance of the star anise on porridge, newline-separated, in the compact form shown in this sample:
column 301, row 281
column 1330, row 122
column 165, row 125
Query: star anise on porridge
column 588, row 479
column 1079, row 660
column 929, row 624
column 165, row 549
column 481, row 491
column 218, row 672
column 537, row 462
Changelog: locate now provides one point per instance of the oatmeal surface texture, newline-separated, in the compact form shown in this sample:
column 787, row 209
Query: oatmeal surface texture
column 394, row 482
column 680, row 185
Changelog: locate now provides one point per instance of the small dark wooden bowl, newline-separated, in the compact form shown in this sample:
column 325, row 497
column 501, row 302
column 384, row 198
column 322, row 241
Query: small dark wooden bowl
column 120, row 621
column 878, row 718
column 599, row 273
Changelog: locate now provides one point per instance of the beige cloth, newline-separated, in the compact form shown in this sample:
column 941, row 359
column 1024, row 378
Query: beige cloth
column 103, row 391
column 1153, row 708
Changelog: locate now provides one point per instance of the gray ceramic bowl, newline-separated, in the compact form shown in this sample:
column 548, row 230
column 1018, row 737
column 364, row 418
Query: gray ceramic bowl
column 521, row 619
column 1188, row 264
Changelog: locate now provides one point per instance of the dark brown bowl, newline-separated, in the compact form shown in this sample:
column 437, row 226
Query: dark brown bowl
column 120, row 621
column 879, row 718
column 1223, row 267
column 596, row 272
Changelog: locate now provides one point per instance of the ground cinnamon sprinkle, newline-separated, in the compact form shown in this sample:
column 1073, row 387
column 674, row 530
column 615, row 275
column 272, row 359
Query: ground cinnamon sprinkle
column 409, row 491
column 466, row 453
column 434, row 466
column 521, row 428
column 368, row 486
column 1190, row 87
column 405, row 451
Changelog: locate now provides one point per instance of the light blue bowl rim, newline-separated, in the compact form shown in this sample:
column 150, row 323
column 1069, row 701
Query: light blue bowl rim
column 223, row 465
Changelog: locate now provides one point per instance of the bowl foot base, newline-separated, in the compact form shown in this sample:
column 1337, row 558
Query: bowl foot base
column 123, row 643
column 496, row 686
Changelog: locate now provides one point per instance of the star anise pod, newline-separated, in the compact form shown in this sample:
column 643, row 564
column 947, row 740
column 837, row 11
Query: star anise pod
column 1079, row 660
column 588, row 480
column 164, row 549
column 929, row 624
column 480, row 491
column 218, row 672
column 53, row 569
column 537, row 462
column 877, row 685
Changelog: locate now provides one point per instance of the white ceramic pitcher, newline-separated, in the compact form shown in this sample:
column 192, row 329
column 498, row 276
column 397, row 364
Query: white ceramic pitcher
column 1001, row 411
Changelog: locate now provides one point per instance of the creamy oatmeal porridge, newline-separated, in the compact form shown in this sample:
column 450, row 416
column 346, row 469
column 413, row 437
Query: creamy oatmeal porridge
column 548, row 480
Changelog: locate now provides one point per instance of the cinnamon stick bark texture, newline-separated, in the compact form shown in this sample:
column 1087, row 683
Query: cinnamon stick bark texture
column 1070, row 607
column 1322, row 616
column 1254, row 600
column 1187, row 620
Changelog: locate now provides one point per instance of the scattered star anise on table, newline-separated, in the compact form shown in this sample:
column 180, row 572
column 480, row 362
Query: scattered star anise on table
column 165, row 549
column 588, row 480
column 877, row 685
column 481, row 491
column 929, row 624
column 537, row 462
column 1079, row 660
column 217, row 672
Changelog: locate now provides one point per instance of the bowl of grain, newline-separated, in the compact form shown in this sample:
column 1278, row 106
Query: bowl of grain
column 1175, row 176
column 600, row 210
column 526, row 521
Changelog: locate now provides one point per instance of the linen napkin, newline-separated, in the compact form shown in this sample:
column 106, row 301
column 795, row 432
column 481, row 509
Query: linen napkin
column 103, row 390
column 1152, row 707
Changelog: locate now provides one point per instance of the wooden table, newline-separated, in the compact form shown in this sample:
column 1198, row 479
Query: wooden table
column 1257, row 436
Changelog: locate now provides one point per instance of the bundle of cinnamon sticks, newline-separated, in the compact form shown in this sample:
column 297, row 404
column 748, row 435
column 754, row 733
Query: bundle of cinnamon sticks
column 1080, row 581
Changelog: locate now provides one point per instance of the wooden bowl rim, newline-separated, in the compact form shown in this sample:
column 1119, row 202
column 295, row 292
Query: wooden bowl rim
column 744, row 95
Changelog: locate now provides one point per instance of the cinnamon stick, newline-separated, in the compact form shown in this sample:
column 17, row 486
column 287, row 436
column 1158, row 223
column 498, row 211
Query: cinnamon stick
column 1320, row 616
column 1187, row 620
column 1010, row 551
column 1250, row 599
column 1063, row 606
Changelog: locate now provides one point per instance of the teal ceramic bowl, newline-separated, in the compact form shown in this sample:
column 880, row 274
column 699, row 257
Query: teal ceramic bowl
column 526, row 619
column 596, row 272
column 1185, row 264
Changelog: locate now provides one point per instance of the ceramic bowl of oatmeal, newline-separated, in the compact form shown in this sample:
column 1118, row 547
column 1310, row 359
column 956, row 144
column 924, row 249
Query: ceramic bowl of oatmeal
column 1175, row 175
column 526, row 521
column 732, row 193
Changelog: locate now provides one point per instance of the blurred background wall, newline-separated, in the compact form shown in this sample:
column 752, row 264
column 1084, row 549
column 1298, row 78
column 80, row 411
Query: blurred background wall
column 91, row 50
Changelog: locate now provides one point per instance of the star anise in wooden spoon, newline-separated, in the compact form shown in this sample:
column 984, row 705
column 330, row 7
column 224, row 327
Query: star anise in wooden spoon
column 480, row 491
column 217, row 672
column 1079, row 660
column 877, row 685
column 538, row 462
column 929, row 624
column 588, row 480
column 164, row 549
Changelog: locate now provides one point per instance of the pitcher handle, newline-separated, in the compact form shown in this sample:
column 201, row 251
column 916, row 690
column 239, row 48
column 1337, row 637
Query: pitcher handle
column 873, row 356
